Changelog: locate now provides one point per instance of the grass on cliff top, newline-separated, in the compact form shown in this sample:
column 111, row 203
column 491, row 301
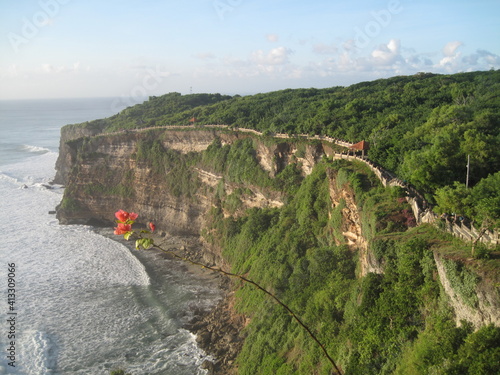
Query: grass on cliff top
column 450, row 247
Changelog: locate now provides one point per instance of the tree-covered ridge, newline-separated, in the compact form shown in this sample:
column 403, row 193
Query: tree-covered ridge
column 421, row 127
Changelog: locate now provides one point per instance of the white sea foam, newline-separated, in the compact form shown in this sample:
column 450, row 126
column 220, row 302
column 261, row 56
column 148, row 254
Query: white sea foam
column 40, row 353
column 36, row 149
column 6, row 177
column 88, row 304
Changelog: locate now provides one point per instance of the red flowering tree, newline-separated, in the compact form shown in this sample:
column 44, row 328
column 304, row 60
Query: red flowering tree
column 143, row 240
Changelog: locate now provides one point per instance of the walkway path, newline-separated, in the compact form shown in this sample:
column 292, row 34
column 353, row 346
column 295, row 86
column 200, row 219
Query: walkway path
column 422, row 210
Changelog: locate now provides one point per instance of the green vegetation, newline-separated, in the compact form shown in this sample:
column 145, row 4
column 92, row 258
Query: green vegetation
column 463, row 281
column 100, row 189
column 481, row 202
column 237, row 162
column 173, row 167
column 169, row 109
column 421, row 127
column 395, row 322
column 69, row 204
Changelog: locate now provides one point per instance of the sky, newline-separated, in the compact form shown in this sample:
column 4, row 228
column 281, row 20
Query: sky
column 139, row 48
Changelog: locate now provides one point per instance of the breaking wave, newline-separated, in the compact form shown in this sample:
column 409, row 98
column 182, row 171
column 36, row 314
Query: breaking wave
column 36, row 149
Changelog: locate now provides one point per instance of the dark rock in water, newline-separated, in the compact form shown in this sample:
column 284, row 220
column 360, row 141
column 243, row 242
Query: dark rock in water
column 220, row 334
column 23, row 186
column 204, row 338
column 52, row 212
column 208, row 365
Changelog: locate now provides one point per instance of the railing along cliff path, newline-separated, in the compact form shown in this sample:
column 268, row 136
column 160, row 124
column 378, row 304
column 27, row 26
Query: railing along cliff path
column 422, row 210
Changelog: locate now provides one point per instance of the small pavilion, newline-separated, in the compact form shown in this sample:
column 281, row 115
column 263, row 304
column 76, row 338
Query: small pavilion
column 360, row 146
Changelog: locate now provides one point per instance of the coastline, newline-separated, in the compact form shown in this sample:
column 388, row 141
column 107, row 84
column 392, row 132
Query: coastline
column 218, row 329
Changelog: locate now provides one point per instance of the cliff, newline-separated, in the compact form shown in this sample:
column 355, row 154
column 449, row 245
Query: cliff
column 277, row 209
column 103, row 172
column 473, row 298
column 67, row 154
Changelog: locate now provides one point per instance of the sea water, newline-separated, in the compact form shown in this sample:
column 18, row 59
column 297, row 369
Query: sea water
column 77, row 302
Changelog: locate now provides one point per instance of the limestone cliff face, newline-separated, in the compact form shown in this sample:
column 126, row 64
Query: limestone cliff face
column 482, row 309
column 91, row 169
column 67, row 153
column 103, row 173
column 351, row 228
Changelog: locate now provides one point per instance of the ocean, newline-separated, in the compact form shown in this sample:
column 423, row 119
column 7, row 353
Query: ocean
column 73, row 301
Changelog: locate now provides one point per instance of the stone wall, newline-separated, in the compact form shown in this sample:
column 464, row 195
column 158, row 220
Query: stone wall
column 421, row 208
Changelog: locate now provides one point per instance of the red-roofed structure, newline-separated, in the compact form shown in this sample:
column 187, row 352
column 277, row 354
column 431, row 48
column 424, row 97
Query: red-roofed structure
column 361, row 146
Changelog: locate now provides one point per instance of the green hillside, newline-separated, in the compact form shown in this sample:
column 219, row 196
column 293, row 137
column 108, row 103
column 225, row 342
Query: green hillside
column 421, row 127
column 395, row 313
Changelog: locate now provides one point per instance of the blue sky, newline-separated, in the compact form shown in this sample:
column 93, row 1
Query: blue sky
column 76, row 48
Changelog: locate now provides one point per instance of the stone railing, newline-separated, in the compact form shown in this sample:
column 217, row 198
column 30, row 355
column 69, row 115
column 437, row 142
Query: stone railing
column 421, row 208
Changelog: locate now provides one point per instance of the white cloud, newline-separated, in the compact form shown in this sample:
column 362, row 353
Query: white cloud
column 325, row 49
column 450, row 49
column 276, row 56
column 451, row 59
column 273, row 63
column 344, row 62
column 51, row 69
column 273, row 38
column 482, row 57
column 387, row 54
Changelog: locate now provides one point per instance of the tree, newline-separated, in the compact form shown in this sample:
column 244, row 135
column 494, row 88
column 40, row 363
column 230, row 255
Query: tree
column 480, row 203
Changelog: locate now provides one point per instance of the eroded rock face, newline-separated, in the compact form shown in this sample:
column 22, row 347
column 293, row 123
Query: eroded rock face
column 102, row 174
column 67, row 153
column 352, row 229
column 486, row 311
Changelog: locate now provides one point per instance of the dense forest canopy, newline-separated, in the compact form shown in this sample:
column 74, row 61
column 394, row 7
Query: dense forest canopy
column 421, row 127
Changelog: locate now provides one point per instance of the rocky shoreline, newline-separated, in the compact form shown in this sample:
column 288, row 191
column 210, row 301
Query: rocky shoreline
column 219, row 330
column 219, row 334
